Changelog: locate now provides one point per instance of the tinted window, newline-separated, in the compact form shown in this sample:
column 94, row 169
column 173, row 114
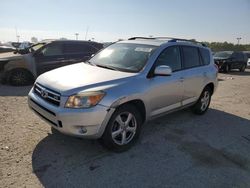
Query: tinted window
column 205, row 56
column 170, row 57
column 236, row 55
column 52, row 50
column 77, row 48
column 191, row 57
column 223, row 54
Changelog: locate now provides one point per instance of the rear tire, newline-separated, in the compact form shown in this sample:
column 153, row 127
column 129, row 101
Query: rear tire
column 123, row 129
column 242, row 69
column 203, row 102
column 20, row 77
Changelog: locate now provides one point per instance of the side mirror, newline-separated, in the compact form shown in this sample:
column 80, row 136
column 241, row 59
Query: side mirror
column 162, row 70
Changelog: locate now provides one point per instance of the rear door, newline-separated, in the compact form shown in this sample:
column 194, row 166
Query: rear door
column 193, row 74
column 49, row 57
column 237, row 60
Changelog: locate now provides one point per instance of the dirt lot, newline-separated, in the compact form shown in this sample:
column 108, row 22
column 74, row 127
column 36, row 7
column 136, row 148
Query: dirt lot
column 177, row 150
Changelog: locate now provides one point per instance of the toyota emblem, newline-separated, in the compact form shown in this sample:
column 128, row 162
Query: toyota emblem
column 44, row 93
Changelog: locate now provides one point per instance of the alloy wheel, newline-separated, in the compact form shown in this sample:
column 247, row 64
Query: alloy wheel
column 124, row 128
column 205, row 100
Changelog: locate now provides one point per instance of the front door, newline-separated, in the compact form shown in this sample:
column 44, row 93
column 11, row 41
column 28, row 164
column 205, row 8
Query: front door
column 165, row 92
column 49, row 58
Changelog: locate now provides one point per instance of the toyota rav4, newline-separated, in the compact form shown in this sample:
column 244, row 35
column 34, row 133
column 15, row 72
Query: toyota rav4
column 123, row 86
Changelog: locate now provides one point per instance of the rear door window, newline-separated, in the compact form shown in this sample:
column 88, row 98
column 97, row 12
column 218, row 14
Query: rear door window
column 205, row 56
column 191, row 57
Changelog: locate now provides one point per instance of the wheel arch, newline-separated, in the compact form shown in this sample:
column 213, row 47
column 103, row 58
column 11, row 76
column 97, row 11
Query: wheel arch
column 9, row 72
column 211, row 86
column 138, row 104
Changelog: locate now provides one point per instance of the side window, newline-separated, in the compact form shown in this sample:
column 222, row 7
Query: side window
column 241, row 56
column 236, row 55
column 52, row 50
column 76, row 48
column 191, row 57
column 170, row 57
column 205, row 56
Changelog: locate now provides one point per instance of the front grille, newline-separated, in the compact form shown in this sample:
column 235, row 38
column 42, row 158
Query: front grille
column 48, row 95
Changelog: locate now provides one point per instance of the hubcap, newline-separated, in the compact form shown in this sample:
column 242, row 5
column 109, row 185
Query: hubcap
column 124, row 128
column 205, row 100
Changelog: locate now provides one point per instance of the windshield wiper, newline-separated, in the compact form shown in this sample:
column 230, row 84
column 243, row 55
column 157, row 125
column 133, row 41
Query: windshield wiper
column 90, row 63
column 107, row 67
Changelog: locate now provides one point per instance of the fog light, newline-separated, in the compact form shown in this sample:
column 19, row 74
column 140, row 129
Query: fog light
column 82, row 130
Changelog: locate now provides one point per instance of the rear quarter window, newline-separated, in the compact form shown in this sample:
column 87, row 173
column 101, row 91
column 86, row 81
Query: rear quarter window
column 205, row 55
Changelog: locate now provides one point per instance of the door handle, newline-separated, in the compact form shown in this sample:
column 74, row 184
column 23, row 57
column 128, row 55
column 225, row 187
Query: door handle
column 62, row 58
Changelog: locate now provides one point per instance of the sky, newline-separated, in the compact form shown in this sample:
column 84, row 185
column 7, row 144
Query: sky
column 109, row 20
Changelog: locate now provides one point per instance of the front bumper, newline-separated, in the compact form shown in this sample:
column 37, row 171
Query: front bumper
column 220, row 64
column 72, row 121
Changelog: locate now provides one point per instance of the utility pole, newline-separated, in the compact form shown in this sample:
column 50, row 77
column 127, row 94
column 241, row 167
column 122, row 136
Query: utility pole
column 17, row 36
column 238, row 39
column 86, row 34
column 76, row 35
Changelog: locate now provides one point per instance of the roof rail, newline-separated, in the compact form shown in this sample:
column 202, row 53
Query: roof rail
column 134, row 38
column 171, row 39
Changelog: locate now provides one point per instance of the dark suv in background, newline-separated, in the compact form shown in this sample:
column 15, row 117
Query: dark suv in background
column 227, row 60
column 21, row 67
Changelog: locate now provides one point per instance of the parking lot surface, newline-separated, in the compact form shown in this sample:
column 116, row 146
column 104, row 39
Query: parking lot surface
column 178, row 150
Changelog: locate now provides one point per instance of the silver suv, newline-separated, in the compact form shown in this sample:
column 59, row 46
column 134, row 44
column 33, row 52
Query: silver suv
column 123, row 86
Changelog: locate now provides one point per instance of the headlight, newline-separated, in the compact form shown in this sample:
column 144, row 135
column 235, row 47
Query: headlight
column 85, row 99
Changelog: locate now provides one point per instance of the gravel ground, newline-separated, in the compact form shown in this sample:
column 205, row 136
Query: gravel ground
column 177, row 150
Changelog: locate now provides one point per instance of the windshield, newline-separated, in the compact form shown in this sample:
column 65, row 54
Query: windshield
column 225, row 54
column 123, row 57
column 37, row 46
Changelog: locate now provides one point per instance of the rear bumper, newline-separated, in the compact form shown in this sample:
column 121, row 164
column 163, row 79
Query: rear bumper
column 72, row 121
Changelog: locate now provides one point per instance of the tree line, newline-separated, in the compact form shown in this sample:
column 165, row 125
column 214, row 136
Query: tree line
column 225, row 46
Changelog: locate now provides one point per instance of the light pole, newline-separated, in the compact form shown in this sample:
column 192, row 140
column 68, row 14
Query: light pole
column 76, row 35
column 18, row 37
column 238, row 39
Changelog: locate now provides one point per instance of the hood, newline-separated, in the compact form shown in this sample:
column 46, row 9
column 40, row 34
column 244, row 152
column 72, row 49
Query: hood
column 82, row 77
column 10, row 56
column 220, row 58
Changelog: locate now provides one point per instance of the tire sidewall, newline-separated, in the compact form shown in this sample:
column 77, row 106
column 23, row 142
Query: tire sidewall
column 28, row 76
column 197, row 107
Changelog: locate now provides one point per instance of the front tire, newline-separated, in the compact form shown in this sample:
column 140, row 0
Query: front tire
column 123, row 129
column 203, row 103
column 242, row 69
column 227, row 68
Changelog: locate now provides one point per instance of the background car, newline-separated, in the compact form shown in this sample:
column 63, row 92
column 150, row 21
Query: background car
column 227, row 60
column 248, row 56
column 4, row 49
column 22, row 66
